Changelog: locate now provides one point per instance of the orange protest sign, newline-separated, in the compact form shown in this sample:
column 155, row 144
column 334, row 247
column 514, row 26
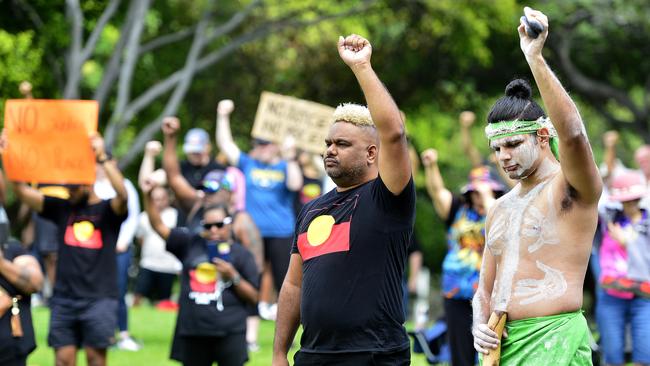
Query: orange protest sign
column 48, row 140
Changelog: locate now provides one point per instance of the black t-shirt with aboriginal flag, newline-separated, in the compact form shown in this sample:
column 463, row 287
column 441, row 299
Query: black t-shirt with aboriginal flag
column 86, row 265
column 354, row 249
column 209, row 306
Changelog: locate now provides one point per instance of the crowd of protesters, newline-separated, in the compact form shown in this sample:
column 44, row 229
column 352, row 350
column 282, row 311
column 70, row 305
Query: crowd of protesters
column 224, row 226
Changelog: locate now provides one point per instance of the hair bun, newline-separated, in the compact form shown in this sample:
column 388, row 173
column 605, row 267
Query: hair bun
column 519, row 88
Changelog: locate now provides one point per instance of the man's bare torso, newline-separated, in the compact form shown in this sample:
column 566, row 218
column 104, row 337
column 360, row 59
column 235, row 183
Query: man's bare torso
column 541, row 239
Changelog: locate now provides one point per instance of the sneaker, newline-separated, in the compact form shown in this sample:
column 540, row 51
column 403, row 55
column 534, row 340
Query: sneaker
column 253, row 347
column 128, row 344
column 267, row 311
column 167, row 305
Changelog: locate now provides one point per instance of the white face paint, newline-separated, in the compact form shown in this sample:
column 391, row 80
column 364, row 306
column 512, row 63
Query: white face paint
column 516, row 154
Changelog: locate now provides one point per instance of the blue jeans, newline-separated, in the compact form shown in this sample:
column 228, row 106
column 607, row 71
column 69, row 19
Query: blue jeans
column 123, row 263
column 613, row 314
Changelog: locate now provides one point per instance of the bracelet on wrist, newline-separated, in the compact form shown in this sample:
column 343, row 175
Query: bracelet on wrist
column 106, row 158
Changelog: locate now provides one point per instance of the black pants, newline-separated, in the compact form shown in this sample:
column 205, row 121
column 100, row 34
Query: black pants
column 277, row 251
column 458, row 314
column 399, row 358
column 225, row 351
column 17, row 361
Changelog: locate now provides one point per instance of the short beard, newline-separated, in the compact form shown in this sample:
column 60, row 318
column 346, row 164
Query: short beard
column 347, row 177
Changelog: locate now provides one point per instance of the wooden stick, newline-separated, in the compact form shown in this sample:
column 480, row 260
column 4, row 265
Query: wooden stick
column 496, row 322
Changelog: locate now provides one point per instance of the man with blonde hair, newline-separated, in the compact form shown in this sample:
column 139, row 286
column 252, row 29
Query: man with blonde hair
column 350, row 245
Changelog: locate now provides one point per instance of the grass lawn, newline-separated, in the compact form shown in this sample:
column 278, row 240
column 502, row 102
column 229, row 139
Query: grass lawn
column 154, row 328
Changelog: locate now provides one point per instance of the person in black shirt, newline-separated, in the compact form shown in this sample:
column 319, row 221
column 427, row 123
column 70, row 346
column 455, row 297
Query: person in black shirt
column 84, row 304
column 20, row 276
column 219, row 281
column 198, row 160
column 344, row 283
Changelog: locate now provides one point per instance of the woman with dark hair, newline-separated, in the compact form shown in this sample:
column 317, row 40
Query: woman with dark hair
column 219, row 282
column 464, row 217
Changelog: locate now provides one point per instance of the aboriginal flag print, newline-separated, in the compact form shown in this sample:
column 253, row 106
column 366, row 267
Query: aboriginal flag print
column 326, row 230
column 83, row 234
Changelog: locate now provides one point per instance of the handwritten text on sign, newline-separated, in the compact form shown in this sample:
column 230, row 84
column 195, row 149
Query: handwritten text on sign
column 48, row 140
column 278, row 116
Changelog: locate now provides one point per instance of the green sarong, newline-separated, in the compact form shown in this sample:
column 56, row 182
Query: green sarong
column 556, row 340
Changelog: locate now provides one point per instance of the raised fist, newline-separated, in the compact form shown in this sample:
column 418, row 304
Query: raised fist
column 152, row 148
column 467, row 118
column 429, row 157
column 225, row 107
column 354, row 50
column 532, row 47
column 610, row 138
column 97, row 144
column 170, row 126
column 25, row 88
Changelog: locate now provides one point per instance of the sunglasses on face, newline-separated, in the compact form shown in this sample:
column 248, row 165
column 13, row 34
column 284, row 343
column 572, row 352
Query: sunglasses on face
column 218, row 224
column 213, row 186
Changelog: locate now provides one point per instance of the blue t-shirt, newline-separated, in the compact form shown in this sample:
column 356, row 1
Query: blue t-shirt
column 268, row 200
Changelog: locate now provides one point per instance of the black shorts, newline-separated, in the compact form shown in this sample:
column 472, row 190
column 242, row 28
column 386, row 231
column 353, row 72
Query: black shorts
column 230, row 350
column 154, row 285
column 277, row 251
column 398, row 358
column 82, row 322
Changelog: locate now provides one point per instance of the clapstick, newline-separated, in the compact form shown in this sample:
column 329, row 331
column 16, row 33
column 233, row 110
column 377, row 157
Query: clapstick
column 496, row 322
column 533, row 27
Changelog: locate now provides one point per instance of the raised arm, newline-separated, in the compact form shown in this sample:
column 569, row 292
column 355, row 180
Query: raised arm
column 184, row 192
column 288, row 311
column 294, row 173
column 148, row 165
column 610, row 139
column 576, row 157
column 467, row 119
column 129, row 226
column 23, row 272
column 394, row 165
column 154, row 216
column 224, row 135
column 440, row 195
column 119, row 202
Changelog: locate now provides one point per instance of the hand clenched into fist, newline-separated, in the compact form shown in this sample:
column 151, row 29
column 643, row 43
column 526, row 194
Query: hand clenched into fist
column 170, row 126
column 354, row 50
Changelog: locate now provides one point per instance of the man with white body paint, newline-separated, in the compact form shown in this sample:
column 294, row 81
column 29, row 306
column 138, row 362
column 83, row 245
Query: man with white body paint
column 539, row 234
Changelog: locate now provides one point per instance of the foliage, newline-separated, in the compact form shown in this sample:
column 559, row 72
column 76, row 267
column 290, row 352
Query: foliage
column 437, row 58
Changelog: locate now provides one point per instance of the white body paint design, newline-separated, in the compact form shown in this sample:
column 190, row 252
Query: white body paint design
column 537, row 224
column 552, row 286
column 513, row 214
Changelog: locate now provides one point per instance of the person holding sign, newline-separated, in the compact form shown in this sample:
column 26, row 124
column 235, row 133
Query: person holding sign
column 272, row 176
column 344, row 283
column 539, row 235
column 84, row 304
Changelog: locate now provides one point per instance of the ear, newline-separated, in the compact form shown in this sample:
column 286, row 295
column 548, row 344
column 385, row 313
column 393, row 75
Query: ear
column 543, row 136
column 371, row 154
